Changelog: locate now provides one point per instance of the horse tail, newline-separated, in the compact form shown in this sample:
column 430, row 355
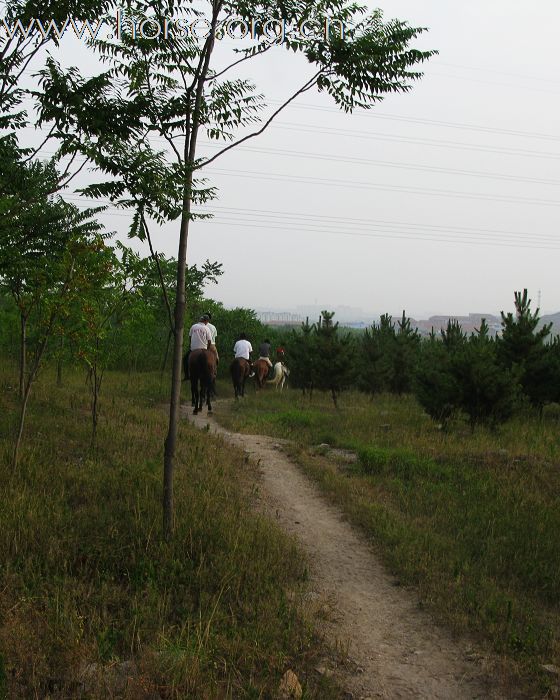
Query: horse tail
column 277, row 374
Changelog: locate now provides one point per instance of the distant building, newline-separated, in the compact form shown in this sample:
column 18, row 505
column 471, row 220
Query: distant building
column 469, row 324
column 279, row 318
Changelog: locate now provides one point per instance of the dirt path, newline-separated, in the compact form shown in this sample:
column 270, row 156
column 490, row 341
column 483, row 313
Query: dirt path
column 397, row 650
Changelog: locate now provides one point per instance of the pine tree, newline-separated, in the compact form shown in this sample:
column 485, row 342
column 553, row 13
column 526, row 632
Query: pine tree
column 375, row 364
column 300, row 348
column 522, row 350
column 488, row 391
column 435, row 385
column 405, row 356
column 453, row 336
column 333, row 356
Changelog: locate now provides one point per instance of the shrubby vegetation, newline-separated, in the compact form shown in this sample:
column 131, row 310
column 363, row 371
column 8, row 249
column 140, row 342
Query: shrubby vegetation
column 484, row 378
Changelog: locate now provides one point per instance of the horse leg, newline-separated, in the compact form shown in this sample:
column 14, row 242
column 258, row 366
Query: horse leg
column 193, row 394
column 209, row 396
column 200, row 396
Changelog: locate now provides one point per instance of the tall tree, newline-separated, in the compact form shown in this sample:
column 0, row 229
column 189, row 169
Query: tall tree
column 38, row 260
column 333, row 356
column 522, row 349
column 301, row 357
column 172, row 86
column 375, row 361
column 488, row 391
column 405, row 355
column 435, row 384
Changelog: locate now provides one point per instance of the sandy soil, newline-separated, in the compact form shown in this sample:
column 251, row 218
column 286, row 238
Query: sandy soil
column 395, row 648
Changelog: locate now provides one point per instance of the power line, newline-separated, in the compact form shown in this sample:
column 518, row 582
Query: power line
column 392, row 164
column 399, row 118
column 393, row 235
column 344, row 220
column 428, row 122
column 494, row 83
column 317, row 223
column 387, row 230
column 306, row 128
column 353, row 184
column 380, row 222
column 498, row 72
column 381, row 163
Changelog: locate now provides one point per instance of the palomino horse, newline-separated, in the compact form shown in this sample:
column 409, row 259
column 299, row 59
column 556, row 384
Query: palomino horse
column 240, row 369
column 260, row 368
column 281, row 373
column 202, row 378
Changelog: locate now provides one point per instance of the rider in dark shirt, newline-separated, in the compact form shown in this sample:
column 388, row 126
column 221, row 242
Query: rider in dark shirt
column 264, row 354
column 264, row 349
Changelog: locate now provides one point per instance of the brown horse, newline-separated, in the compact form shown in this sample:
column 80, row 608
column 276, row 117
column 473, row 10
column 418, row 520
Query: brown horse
column 239, row 369
column 260, row 368
column 202, row 379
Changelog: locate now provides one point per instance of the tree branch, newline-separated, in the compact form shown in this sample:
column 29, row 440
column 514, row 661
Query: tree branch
column 160, row 274
column 63, row 184
column 163, row 131
column 308, row 85
column 235, row 63
column 36, row 150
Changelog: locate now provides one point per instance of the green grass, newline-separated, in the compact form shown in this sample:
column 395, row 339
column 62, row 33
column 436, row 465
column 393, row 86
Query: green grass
column 472, row 521
column 94, row 603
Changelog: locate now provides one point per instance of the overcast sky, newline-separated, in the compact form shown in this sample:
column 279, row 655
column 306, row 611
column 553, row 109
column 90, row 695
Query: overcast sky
column 443, row 200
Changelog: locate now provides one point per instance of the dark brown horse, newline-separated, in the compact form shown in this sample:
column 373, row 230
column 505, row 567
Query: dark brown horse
column 261, row 368
column 240, row 369
column 201, row 376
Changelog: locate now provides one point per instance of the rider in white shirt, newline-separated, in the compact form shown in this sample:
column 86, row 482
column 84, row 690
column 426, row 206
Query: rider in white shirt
column 243, row 347
column 200, row 335
column 201, row 339
column 213, row 331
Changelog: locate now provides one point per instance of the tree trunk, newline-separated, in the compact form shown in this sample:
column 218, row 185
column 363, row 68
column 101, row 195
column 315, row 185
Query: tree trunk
column 333, row 394
column 176, row 369
column 59, row 363
column 191, row 135
column 22, row 354
column 27, row 392
column 23, row 411
column 166, row 355
column 94, row 406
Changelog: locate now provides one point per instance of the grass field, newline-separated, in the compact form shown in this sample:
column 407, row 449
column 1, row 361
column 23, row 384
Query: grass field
column 93, row 603
column 471, row 521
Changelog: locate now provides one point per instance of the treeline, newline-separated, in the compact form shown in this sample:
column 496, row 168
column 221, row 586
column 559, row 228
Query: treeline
column 69, row 298
column 484, row 378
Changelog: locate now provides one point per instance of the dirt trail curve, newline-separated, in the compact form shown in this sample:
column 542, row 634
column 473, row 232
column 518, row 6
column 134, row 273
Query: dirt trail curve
column 397, row 649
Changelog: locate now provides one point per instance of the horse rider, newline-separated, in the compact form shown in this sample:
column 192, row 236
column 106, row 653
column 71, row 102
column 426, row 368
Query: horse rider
column 201, row 341
column 214, row 348
column 264, row 354
column 243, row 350
column 213, row 331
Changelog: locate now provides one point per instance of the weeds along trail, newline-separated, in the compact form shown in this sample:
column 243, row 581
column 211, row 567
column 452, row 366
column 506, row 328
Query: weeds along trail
column 395, row 650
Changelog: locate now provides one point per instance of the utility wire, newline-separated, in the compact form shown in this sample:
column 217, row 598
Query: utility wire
column 341, row 225
column 369, row 135
column 392, row 164
column 354, row 184
column 427, row 122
